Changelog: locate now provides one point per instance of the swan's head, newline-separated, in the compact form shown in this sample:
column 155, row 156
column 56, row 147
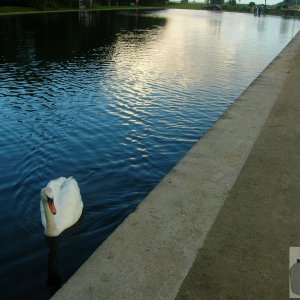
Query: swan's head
column 47, row 198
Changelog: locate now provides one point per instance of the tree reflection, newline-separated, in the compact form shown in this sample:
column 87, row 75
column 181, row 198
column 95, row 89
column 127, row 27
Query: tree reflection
column 62, row 36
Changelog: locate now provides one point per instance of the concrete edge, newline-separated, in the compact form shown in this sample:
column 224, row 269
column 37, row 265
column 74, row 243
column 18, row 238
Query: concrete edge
column 151, row 252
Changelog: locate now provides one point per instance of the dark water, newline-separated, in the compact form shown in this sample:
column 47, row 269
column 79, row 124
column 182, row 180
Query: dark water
column 114, row 99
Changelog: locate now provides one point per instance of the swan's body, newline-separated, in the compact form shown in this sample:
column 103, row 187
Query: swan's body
column 61, row 205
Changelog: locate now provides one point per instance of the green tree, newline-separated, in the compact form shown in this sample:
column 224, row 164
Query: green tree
column 220, row 2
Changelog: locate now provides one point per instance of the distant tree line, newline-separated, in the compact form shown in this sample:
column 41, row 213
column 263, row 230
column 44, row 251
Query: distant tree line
column 41, row 3
column 74, row 3
column 127, row 2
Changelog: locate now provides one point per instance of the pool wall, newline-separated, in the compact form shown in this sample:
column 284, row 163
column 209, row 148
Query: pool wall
column 151, row 252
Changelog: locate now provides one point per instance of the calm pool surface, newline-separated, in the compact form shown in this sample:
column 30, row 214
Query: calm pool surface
column 114, row 99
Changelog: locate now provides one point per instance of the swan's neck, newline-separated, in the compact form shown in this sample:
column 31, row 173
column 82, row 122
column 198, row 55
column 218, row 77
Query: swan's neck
column 51, row 229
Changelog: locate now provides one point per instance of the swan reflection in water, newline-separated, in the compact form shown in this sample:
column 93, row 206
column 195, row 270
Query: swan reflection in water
column 53, row 280
column 61, row 249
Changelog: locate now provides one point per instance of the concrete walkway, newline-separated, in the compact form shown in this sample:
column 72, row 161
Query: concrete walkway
column 246, row 253
column 220, row 224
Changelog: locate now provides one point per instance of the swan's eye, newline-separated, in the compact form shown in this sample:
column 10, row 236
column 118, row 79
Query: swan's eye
column 49, row 199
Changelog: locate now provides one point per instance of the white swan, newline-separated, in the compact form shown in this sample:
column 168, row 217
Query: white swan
column 61, row 205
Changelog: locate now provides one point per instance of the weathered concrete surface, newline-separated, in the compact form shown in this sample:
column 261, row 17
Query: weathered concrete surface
column 150, row 253
column 246, row 253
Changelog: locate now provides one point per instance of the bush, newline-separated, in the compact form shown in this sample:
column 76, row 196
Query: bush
column 236, row 8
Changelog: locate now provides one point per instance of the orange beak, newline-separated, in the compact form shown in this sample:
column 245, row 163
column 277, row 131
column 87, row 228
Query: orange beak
column 51, row 206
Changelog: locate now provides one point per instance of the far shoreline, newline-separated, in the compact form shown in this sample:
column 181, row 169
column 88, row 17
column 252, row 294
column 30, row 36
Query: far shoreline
column 240, row 8
column 27, row 10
